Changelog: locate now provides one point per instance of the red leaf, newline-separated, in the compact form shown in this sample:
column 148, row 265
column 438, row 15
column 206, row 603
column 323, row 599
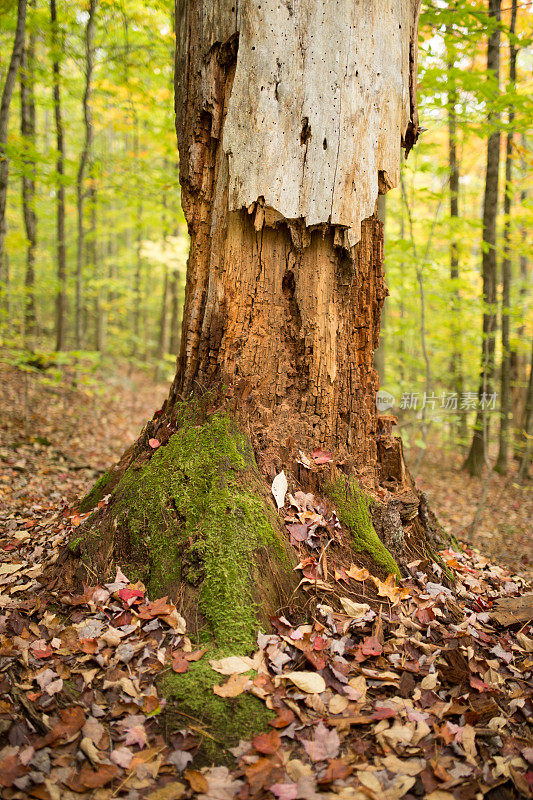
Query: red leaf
column 11, row 769
column 320, row 457
column 383, row 713
column 284, row 718
column 130, row 596
column 179, row 663
column 477, row 683
column 45, row 652
column 267, row 743
column 425, row 615
column 371, row 646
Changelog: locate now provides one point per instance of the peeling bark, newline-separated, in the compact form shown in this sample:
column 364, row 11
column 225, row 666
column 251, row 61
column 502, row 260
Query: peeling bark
column 290, row 117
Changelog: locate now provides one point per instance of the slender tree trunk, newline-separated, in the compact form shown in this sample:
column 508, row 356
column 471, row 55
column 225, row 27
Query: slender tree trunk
column 137, row 294
column 518, row 360
column 401, row 344
column 27, row 129
column 475, row 460
column 456, row 362
column 162, row 343
column 84, row 158
column 527, row 430
column 7, row 93
column 505, row 385
column 95, row 267
column 61, row 291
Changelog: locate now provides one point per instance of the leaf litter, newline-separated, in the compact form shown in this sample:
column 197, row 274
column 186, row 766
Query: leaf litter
column 392, row 690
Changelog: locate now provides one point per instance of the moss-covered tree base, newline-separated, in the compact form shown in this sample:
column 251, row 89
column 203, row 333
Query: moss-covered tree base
column 190, row 515
column 193, row 519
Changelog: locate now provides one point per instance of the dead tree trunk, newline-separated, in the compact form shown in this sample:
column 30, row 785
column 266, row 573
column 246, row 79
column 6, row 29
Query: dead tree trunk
column 283, row 151
column 7, row 93
column 475, row 460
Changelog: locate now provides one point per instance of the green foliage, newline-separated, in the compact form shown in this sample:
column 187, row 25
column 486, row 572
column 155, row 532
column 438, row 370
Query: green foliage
column 132, row 188
column 453, row 41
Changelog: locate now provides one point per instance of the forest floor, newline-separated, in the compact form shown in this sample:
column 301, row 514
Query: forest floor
column 78, row 699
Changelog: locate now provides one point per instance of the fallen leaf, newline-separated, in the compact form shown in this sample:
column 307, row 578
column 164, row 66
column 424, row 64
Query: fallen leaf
column 279, row 489
column 170, row 791
column 267, row 743
column 354, row 610
column 284, row 791
column 324, row 745
column 358, row 573
column 179, row 663
column 310, row 682
column 91, row 778
column 232, row 665
column 198, row 782
column 234, row 686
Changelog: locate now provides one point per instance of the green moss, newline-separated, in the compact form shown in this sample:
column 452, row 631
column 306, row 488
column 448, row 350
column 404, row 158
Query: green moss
column 352, row 506
column 221, row 722
column 103, row 486
column 75, row 543
column 196, row 513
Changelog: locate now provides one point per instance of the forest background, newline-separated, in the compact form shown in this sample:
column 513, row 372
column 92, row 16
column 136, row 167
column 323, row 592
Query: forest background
column 92, row 264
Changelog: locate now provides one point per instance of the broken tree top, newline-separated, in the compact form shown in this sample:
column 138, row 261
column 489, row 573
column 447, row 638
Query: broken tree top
column 321, row 100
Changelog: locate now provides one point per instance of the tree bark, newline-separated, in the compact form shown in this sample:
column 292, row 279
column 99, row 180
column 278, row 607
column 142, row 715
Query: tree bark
column 502, row 462
column 282, row 310
column 84, row 158
column 476, row 458
column 27, row 129
column 175, row 338
column 379, row 360
column 7, row 93
column 61, row 291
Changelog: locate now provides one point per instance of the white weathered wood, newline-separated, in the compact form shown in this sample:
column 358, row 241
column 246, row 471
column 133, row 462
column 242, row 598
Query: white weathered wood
column 320, row 102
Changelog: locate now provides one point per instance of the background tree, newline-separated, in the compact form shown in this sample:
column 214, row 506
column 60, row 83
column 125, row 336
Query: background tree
column 505, row 384
column 84, row 158
column 60, row 322
column 475, row 460
column 7, row 93
column 27, row 129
